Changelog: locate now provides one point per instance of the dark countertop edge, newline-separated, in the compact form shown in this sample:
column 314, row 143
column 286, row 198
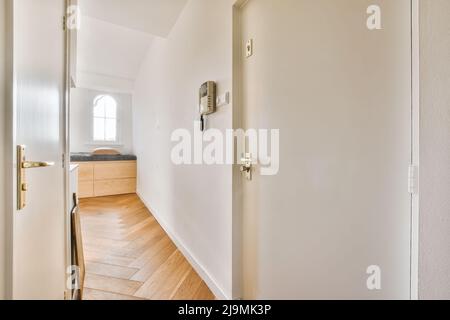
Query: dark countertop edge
column 101, row 158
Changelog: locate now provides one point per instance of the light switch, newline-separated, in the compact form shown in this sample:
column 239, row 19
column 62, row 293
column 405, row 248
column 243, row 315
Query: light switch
column 223, row 99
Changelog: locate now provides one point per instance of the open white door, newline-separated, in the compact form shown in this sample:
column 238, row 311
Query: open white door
column 38, row 238
column 335, row 78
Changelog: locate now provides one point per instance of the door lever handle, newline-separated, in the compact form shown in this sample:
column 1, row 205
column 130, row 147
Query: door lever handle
column 22, row 166
column 33, row 164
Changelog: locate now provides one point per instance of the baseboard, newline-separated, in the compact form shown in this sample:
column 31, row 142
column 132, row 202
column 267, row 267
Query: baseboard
column 202, row 272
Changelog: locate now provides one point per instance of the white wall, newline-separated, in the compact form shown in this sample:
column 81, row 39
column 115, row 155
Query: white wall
column 2, row 151
column 434, row 236
column 194, row 203
column 81, row 120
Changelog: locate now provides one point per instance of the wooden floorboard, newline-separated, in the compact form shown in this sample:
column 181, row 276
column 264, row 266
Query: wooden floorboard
column 92, row 294
column 130, row 257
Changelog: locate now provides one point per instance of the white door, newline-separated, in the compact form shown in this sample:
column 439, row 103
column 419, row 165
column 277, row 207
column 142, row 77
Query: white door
column 340, row 93
column 38, row 266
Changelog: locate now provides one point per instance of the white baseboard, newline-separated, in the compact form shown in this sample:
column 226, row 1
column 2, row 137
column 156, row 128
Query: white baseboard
column 209, row 280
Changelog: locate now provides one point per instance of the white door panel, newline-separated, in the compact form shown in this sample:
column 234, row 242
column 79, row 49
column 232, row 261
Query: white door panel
column 39, row 232
column 341, row 96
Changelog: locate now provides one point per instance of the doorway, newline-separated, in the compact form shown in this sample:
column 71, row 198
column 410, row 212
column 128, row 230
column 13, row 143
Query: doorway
column 127, row 253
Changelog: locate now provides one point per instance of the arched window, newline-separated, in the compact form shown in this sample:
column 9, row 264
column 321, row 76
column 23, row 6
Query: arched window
column 105, row 119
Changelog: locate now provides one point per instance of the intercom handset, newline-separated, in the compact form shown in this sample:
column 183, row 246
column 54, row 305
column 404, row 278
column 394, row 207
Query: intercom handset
column 207, row 101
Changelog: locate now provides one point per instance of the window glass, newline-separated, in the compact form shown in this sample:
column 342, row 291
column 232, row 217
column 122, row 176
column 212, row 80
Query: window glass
column 105, row 119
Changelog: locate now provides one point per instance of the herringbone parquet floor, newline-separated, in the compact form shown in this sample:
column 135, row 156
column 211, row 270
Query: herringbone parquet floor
column 129, row 256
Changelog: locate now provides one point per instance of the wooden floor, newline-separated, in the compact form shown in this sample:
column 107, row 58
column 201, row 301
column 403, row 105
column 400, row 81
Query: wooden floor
column 129, row 256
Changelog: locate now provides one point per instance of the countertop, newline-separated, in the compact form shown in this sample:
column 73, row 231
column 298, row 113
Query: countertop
column 88, row 157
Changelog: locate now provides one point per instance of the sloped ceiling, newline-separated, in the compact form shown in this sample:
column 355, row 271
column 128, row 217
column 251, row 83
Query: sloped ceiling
column 156, row 17
column 115, row 36
column 111, row 50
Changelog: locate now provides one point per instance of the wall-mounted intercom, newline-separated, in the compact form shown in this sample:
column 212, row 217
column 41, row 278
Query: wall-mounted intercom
column 207, row 101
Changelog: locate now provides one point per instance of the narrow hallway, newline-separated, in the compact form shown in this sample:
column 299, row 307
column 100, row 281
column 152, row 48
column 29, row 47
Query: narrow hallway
column 129, row 256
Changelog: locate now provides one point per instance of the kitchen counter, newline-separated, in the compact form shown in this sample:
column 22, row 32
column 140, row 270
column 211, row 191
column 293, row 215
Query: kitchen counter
column 105, row 175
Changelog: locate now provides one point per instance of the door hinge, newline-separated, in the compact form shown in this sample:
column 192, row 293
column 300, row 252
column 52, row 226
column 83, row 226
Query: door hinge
column 64, row 23
column 413, row 179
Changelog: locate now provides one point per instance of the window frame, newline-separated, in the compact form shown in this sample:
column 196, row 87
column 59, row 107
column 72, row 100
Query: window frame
column 94, row 142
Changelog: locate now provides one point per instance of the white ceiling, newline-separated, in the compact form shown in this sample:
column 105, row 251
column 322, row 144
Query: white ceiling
column 156, row 17
column 110, row 50
column 115, row 36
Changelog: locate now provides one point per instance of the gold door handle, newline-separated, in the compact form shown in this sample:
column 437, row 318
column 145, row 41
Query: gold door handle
column 33, row 165
column 22, row 166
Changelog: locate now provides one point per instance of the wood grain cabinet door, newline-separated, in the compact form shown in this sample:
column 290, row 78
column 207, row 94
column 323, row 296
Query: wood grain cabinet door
column 114, row 170
column 86, row 171
column 114, row 187
column 85, row 180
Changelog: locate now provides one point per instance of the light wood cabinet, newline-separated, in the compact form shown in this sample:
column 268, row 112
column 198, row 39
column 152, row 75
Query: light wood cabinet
column 86, row 171
column 98, row 179
column 114, row 186
column 115, row 170
column 85, row 189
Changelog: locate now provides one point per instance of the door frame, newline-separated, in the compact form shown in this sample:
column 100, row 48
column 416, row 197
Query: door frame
column 66, row 141
column 10, row 150
column 237, row 195
column 415, row 160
